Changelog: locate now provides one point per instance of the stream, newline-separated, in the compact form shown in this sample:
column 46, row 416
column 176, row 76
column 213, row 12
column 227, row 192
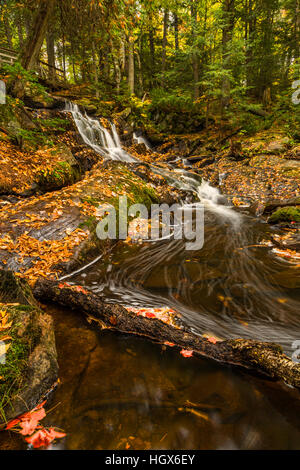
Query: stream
column 121, row 392
column 235, row 286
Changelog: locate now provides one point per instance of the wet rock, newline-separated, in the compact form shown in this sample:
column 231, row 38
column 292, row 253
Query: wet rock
column 278, row 146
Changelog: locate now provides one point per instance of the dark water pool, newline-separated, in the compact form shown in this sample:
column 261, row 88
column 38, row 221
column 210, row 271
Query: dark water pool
column 120, row 392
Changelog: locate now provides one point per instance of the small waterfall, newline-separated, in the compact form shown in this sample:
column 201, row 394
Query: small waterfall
column 98, row 137
column 141, row 140
column 108, row 145
column 214, row 201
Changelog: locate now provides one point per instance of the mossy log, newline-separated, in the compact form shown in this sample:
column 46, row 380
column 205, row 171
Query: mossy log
column 264, row 358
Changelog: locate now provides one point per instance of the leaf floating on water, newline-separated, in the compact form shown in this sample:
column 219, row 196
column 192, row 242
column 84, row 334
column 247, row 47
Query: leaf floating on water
column 282, row 301
column 187, row 352
column 44, row 437
column 28, row 424
column 167, row 343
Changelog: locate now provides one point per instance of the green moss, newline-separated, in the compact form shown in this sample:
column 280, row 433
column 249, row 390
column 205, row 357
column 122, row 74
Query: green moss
column 63, row 174
column 90, row 223
column 286, row 214
column 23, row 333
column 90, row 200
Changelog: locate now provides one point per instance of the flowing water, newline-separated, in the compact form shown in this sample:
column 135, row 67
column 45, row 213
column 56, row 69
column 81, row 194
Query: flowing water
column 122, row 392
column 235, row 286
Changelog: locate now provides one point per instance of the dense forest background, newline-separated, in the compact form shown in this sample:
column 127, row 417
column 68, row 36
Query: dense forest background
column 220, row 58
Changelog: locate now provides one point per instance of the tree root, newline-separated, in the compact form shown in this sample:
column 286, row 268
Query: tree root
column 264, row 358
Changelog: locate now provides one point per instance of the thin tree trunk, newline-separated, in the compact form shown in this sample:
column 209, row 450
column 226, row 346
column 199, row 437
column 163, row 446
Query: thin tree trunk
column 152, row 55
column 297, row 30
column 20, row 30
column 140, row 73
column 73, row 62
column 131, row 66
column 51, row 53
column 164, row 47
column 227, row 32
column 95, row 64
column 194, row 17
column 8, row 32
column 117, row 67
column 176, row 33
column 30, row 54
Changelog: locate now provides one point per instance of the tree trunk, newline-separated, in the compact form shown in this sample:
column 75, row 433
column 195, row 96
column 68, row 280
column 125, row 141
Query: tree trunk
column 176, row 33
column 117, row 67
column 195, row 55
column 164, row 47
column 131, row 66
column 95, row 64
column 51, row 54
column 152, row 55
column 8, row 32
column 140, row 74
column 227, row 33
column 297, row 30
column 30, row 54
column 20, row 30
column 264, row 358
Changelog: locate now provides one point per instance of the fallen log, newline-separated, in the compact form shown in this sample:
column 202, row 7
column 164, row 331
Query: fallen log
column 264, row 358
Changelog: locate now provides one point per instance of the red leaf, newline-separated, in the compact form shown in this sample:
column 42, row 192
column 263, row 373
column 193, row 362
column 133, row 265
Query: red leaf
column 44, row 437
column 212, row 340
column 186, row 352
column 81, row 289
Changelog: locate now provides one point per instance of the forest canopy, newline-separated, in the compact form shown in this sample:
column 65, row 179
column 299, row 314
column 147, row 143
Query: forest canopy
column 177, row 51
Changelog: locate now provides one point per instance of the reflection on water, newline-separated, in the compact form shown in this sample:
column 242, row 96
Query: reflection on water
column 122, row 392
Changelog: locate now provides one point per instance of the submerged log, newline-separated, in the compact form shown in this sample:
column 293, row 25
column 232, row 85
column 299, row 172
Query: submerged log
column 264, row 358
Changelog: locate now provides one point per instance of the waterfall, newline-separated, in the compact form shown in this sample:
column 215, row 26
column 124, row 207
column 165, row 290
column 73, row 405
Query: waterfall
column 98, row 137
column 108, row 145
column 141, row 140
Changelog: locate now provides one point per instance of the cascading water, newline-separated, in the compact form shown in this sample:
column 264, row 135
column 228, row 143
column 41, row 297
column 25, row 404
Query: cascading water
column 233, row 287
column 98, row 137
column 139, row 139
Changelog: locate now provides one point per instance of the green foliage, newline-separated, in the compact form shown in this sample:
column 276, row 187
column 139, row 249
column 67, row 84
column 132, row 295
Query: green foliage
column 28, row 79
column 54, row 124
column 33, row 138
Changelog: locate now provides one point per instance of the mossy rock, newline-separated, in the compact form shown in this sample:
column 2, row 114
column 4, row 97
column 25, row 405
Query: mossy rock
column 63, row 174
column 29, row 367
column 285, row 214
